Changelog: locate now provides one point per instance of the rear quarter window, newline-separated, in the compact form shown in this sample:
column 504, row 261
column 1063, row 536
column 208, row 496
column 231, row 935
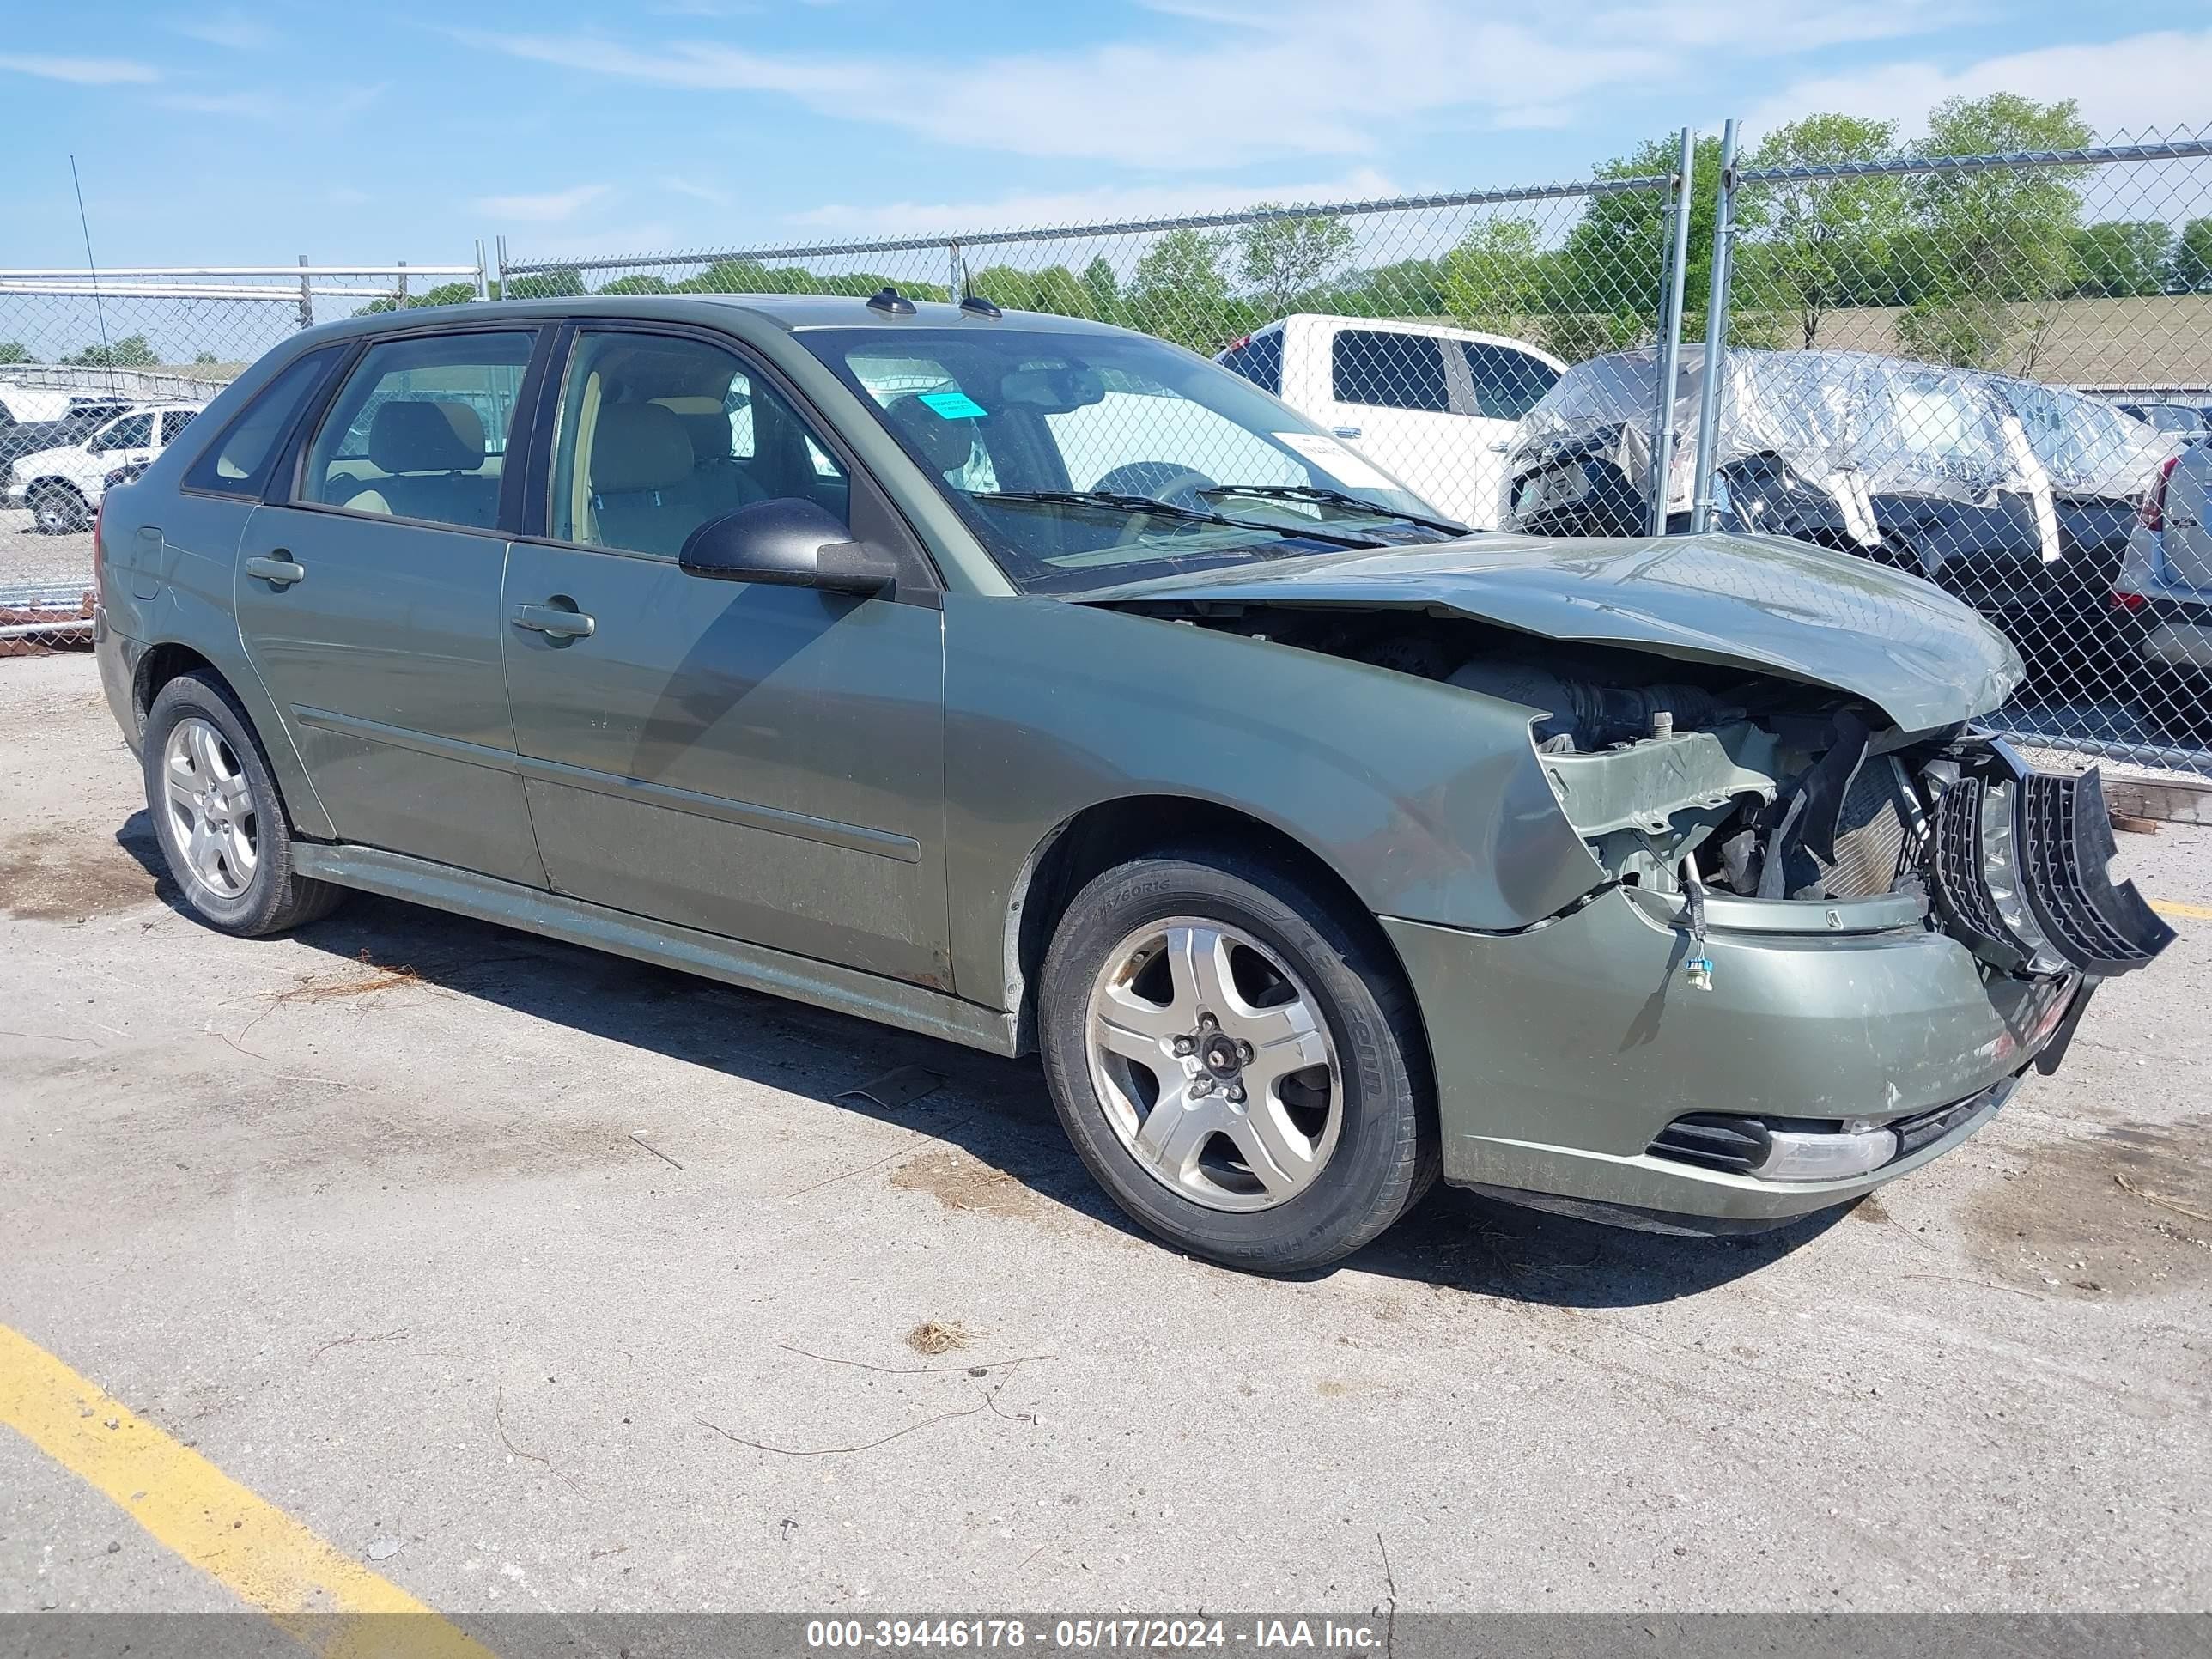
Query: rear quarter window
column 237, row 463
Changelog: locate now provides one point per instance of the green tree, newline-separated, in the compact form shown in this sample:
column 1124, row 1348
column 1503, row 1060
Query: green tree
column 1179, row 292
column 2000, row 240
column 1616, row 255
column 564, row 283
column 1822, row 242
column 1104, row 288
column 1280, row 259
column 2118, row 257
column 2192, row 267
column 131, row 351
column 201, row 359
column 15, row 351
column 643, row 282
column 1494, row 280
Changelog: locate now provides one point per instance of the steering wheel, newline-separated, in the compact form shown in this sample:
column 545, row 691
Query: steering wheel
column 1164, row 481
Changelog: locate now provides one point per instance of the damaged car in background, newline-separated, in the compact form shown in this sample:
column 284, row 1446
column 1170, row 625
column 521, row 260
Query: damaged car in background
column 1041, row 686
column 2017, row 496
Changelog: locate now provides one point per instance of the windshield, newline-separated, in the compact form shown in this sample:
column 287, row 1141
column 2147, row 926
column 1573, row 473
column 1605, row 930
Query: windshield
column 1017, row 426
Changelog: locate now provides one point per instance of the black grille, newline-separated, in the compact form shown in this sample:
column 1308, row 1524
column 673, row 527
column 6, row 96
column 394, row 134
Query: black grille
column 1714, row 1142
column 1962, row 889
column 2066, row 841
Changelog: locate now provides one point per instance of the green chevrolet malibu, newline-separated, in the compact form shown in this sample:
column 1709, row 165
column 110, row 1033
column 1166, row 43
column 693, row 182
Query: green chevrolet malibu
column 1037, row 685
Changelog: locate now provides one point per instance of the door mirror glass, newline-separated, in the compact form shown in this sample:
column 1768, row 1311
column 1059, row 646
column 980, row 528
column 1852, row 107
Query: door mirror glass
column 786, row 542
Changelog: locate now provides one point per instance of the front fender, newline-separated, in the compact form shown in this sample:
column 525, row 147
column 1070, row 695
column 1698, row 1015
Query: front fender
column 1426, row 801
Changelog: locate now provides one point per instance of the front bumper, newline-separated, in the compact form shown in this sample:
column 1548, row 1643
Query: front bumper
column 1562, row 1053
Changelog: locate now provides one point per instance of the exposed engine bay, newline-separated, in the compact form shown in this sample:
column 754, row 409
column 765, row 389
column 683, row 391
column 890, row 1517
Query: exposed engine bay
column 1695, row 781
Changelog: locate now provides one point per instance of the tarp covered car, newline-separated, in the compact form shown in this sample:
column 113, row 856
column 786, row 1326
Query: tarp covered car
column 2014, row 495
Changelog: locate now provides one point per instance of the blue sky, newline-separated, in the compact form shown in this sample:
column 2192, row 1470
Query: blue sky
column 244, row 135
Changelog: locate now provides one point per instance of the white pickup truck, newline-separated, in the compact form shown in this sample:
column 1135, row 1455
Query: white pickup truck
column 62, row 487
column 1435, row 406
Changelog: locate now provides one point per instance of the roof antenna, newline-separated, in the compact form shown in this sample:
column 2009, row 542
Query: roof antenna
column 92, row 269
column 972, row 303
column 891, row 302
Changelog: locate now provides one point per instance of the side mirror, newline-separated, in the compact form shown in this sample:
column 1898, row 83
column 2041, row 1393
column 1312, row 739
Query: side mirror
column 787, row 541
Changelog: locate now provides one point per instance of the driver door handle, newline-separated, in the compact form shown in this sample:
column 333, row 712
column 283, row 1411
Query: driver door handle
column 278, row 569
column 555, row 621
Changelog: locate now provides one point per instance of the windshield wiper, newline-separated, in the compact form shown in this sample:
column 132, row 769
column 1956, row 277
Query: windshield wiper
column 1112, row 500
column 1332, row 498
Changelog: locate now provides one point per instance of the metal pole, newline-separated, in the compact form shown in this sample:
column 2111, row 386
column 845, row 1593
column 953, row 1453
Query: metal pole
column 1670, row 340
column 483, row 283
column 500, row 244
column 953, row 284
column 1716, row 321
column 307, row 297
column 402, row 295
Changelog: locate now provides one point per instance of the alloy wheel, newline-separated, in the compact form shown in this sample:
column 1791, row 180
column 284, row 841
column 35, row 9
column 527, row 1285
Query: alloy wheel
column 210, row 808
column 1215, row 1067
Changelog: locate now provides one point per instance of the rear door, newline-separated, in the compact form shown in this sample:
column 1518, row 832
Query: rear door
column 368, row 597
column 1390, row 398
column 764, row 762
column 1497, row 385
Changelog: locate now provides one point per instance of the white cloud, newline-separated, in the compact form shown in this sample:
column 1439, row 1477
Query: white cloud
column 698, row 192
column 82, row 71
column 1238, row 94
column 550, row 208
column 2142, row 84
column 231, row 29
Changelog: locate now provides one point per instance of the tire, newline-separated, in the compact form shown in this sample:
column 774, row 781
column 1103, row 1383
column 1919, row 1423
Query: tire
column 58, row 510
column 1373, row 1147
column 250, row 896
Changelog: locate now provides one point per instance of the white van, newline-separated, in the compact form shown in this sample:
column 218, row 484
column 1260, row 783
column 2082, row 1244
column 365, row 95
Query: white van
column 1435, row 406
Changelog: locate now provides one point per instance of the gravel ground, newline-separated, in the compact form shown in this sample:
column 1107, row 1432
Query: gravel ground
column 29, row 558
column 558, row 1282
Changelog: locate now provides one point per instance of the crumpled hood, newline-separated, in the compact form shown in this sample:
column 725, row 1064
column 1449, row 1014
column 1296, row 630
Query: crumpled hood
column 1759, row 603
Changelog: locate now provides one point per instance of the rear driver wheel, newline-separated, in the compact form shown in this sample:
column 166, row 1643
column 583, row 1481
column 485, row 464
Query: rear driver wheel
column 1236, row 1062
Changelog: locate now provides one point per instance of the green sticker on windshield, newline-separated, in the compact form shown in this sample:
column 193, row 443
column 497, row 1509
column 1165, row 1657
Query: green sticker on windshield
column 951, row 405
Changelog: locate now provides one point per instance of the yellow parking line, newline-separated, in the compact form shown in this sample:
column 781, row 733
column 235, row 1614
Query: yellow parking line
column 249, row 1545
column 2173, row 907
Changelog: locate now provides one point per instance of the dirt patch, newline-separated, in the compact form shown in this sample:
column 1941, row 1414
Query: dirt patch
column 2120, row 1212
column 49, row 877
column 961, row 1182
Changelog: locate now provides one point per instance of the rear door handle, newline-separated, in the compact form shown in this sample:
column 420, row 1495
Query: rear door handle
column 279, row 569
column 556, row 621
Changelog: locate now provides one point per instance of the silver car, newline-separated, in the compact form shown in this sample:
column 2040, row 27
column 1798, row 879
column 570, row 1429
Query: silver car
column 2164, row 597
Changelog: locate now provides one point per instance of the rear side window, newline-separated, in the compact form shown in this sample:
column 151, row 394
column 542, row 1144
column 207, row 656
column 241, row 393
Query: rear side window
column 1507, row 383
column 1389, row 371
column 132, row 432
column 419, row 430
column 1259, row 360
column 173, row 423
column 239, row 464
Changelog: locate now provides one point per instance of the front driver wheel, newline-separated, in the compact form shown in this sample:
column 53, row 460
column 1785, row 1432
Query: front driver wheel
column 217, row 812
column 1238, row 1062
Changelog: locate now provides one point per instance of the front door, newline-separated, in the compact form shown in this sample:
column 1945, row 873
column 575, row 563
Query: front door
column 369, row 603
column 759, row 761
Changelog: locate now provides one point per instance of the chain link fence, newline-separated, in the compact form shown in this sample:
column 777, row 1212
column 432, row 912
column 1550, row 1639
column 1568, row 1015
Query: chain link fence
column 1986, row 361
column 100, row 371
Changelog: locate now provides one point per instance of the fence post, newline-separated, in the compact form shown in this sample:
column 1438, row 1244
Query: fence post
column 1716, row 321
column 952, row 283
column 484, row 282
column 1670, row 337
column 499, row 243
column 307, row 298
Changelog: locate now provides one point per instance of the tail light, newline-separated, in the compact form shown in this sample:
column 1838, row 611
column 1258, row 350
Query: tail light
column 2150, row 512
column 2130, row 603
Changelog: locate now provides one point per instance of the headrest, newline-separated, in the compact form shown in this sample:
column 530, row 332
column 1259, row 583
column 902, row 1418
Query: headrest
column 425, row 437
column 709, row 434
column 943, row 445
column 638, row 446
